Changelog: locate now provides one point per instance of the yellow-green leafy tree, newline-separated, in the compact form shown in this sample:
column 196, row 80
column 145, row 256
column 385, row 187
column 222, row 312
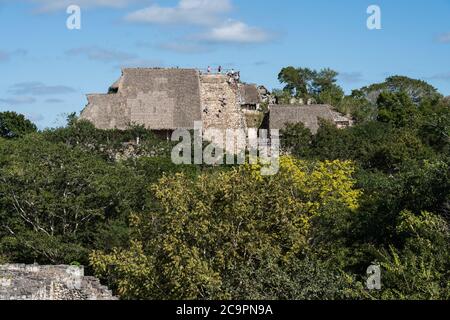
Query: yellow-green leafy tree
column 206, row 234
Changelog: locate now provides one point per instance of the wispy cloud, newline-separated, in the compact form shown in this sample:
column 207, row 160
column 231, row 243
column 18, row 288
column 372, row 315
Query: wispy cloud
column 444, row 38
column 351, row 77
column 185, row 47
column 4, row 56
column 38, row 89
column 18, row 100
column 101, row 54
column 54, row 100
column 7, row 55
column 236, row 32
column 194, row 12
column 121, row 59
column 444, row 76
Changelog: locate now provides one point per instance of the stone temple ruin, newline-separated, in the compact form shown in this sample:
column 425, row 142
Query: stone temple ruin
column 167, row 99
column 34, row 282
column 164, row 100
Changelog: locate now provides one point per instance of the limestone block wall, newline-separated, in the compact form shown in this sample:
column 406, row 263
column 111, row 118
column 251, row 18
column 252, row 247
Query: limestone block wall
column 219, row 101
column 160, row 99
column 153, row 110
column 107, row 111
column 34, row 282
column 169, row 99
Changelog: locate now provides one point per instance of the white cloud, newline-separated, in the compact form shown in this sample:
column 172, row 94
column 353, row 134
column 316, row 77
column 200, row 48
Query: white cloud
column 18, row 100
column 195, row 12
column 236, row 32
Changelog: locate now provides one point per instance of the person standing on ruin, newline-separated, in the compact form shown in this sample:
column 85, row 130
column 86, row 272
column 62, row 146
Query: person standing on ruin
column 209, row 69
column 236, row 76
column 219, row 69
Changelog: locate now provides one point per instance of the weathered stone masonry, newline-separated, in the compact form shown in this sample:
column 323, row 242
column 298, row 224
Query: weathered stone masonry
column 164, row 100
column 220, row 106
column 34, row 282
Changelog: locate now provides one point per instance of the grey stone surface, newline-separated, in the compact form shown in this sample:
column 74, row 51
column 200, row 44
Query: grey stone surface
column 35, row 282
column 309, row 115
column 169, row 99
column 164, row 100
column 220, row 106
column 159, row 99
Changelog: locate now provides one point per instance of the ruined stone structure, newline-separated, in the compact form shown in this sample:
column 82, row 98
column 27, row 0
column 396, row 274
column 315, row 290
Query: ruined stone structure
column 219, row 99
column 160, row 99
column 34, row 282
column 167, row 99
column 309, row 115
column 249, row 96
column 164, row 100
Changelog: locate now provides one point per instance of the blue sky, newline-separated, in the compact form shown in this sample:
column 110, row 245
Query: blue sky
column 47, row 69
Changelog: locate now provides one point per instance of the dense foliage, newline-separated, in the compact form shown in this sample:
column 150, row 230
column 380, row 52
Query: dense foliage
column 376, row 193
column 209, row 235
column 306, row 84
column 13, row 125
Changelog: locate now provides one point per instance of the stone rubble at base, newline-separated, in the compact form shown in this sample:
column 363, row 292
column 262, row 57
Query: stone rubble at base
column 35, row 282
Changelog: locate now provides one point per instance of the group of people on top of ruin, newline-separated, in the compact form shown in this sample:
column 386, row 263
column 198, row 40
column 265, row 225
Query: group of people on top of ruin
column 219, row 69
column 232, row 74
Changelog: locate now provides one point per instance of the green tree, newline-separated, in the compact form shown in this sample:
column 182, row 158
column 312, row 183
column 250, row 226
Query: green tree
column 418, row 270
column 305, row 83
column 397, row 109
column 325, row 89
column 54, row 199
column 330, row 142
column 417, row 90
column 359, row 108
column 297, row 81
column 296, row 139
column 13, row 125
column 435, row 125
column 207, row 238
column 417, row 186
